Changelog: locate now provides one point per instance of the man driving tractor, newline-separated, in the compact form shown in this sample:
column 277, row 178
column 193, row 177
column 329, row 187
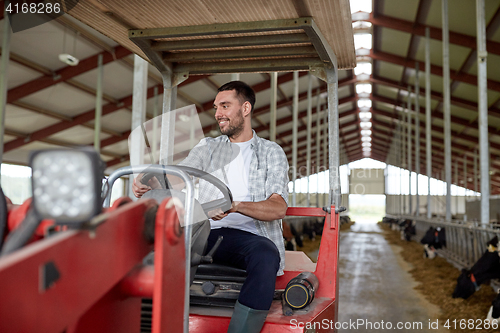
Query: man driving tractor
column 256, row 172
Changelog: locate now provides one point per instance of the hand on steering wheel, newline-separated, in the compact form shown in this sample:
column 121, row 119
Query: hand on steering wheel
column 156, row 175
column 144, row 183
column 218, row 214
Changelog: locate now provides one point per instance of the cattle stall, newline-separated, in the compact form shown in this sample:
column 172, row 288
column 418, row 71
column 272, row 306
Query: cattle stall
column 465, row 241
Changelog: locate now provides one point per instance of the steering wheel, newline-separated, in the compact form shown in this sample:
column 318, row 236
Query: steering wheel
column 150, row 174
column 224, row 204
column 200, row 231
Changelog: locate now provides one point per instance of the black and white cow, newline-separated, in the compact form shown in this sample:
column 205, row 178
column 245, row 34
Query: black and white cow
column 392, row 222
column 297, row 236
column 493, row 244
column 434, row 239
column 494, row 312
column 289, row 237
column 319, row 225
column 408, row 229
column 308, row 230
column 485, row 269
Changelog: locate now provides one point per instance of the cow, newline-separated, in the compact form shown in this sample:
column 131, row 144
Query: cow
column 485, row 269
column 434, row 239
column 308, row 230
column 493, row 244
column 319, row 225
column 393, row 223
column 290, row 243
column 494, row 312
column 407, row 228
column 297, row 236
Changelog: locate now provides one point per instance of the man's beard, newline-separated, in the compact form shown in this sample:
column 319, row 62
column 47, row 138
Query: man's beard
column 234, row 127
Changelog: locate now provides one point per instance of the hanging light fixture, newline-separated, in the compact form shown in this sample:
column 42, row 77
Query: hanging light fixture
column 66, row 57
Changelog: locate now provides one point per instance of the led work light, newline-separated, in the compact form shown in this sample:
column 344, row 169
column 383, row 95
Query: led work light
column 66, row 185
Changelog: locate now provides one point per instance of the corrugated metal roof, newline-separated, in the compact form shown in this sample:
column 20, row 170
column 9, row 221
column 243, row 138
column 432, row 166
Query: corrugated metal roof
column 113, row 18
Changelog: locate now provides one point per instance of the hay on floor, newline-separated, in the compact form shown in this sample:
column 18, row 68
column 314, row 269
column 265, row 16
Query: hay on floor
column 437, row 279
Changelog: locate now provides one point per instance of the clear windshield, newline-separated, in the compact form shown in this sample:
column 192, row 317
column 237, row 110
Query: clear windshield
column 177, row 138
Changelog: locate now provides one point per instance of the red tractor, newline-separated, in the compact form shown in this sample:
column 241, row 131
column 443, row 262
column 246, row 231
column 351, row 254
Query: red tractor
column 67, row 265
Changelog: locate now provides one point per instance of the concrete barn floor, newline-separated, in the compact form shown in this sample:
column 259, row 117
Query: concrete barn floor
column 375, row 286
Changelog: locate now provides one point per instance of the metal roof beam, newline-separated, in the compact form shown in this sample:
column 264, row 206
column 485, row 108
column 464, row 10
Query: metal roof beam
column 456, row 101
column 77, row 120
column 438, row 166
column 221, row 28
column 458, row 147
column 435, row 70
column 422, row 12
column 153, row 43
column 303, row 139
column 55, row 115
column 83, row 118
column 435, row 33
column 249, row 66
column 46, row 71
column 238, row 54
column 438, row 129
column 64, row 74
column 437, row 114
column 211, row 43
column 302, row 96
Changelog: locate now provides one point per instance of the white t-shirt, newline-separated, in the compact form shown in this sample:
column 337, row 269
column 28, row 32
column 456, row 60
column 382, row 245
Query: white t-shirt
column 237, row 174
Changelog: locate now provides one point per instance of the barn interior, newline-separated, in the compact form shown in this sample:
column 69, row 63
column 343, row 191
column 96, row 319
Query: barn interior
column 407, row 115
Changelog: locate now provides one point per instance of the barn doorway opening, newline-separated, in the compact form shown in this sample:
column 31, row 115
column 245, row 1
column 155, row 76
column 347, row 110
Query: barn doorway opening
column 367, row 208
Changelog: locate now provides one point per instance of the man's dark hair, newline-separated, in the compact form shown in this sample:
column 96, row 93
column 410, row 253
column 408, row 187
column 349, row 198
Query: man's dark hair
column 244, row 92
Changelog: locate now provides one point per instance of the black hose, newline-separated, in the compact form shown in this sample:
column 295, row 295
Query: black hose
column 19, row 237
column 3, row 216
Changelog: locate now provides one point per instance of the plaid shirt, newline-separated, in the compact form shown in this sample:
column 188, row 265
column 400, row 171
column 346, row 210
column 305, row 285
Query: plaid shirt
column 268, row 175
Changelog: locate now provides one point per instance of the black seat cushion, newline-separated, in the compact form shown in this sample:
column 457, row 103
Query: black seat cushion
column 220, row 273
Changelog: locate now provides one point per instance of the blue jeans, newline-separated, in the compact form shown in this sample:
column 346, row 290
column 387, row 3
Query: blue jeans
column 257, row 255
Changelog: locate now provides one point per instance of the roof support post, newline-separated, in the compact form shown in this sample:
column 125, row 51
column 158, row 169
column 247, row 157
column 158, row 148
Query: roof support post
column 333, row 136
column 401, row 163
column 170, row 82
column 309, row 130
column 409, row 150
column 325, row 154
column 98, row 104
column 168, row 120
column 156, row 109
column 398, row 162
column 428, row 120
column 139, row 97
column 4, row 67
column 295, row 125
column 465, row 185
column 403, row 157
column 273, row 106
column 417, row 135
column 192, row 141
column 456, row 183
column 446, row 110
column 443, row 176
column 483, row 111
column 318, row 143
column 475, row 172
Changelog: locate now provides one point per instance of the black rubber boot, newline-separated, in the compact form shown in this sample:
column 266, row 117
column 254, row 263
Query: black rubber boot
column 246, row 320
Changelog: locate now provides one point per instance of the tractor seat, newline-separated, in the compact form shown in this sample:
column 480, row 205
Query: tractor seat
column 220, row 272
